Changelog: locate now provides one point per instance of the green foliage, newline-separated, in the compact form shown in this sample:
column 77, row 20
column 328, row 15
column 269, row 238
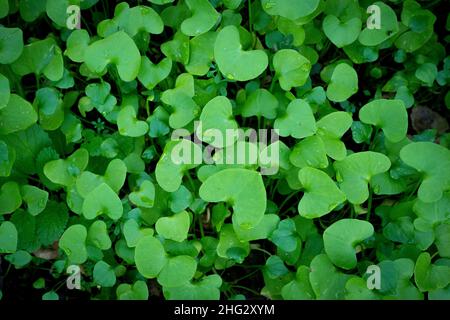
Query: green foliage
column 127, row 148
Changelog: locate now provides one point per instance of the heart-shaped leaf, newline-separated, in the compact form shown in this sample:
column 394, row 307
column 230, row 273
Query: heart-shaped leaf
column 298, row 121
column 8, row 237
column 177, row 271
column 341, row 33
column 321, row 193
column 11, row 44
column 175, row 227
column 139, row 290
column 201, row 53
column 230, row 246
column 343, row 84
column 102, row 200
column 340, row 240
column 17, row 115
column 73, row 243
column 98, row 235
column 104, row 275
column 330, row 129
column 233, row 62
column 129, row 125
column 151, row 74
column 35, row 198
column 260, row 103
column 355, row 172
column 430, row 276
column 150, row 257
column 208, row 288
column 216, row 118
column 10, row 197
column 389, row 115
column 118, row 49
column 389, row 27
column 203, row 18
column 292, row 69
column 309, row 152
column 133, row 233
column 77, row 43
column 288, row 9
column 248, row 197
column 435, row 169
column 145, row 196
column 65, row 171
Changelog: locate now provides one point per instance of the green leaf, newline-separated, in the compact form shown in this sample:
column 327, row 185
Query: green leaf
column 65, row 171
column 150, row 257
column 292, row 69
column 175, row 227
column 17, row 115
column 151, row 74
column 298, row 121
column 388, row 27
column 326, row 281
column 73, row 243
column 201, row 53
column 355, row 172
column 133, row 234
column 19, row 259
column 299, row 288
column 51, row 222
column 230, row 247
column 340, row 240
column 288, row 9
column 430, row 276
column 7, row 159
column 178, row 271
column 77, row 43
column 203, row 18
column 137, row 291
column 433, row 162
column 389, row 115
column 98, row 235
column 145, row 196
column 104, row 274
column 330, row 129
column 208, row 288
column 5, row 91
column 321, row 193
column 309, row 152
column 235, row 63
column 11, row 44
column 343, row 84
column 248, row 197
column 102, row 200
column 260, row 103
column 8, row 237
column 285, row 236
column 118, row 49
column 341, row 33
column 10, row 197
column 129, row 125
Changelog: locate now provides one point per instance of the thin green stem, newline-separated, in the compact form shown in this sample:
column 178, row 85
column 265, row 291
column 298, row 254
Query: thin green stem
column 262, row 250
column 286, row 200
column 248, row 289
column 246, row 276
column 200, row 222
column 369, row 206
column 191, row 182
column 250, row 16
column 272, row 84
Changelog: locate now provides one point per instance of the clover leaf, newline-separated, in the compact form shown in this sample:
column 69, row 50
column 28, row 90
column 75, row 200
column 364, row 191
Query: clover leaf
column 343, row 84
column 321, row 193
column 433, row 161
column 248, row 198
column 151, row 74
column 73, row 243
column 340, row 240
column 389, row 115
column 118, row 49
column 292, row 69
column 355, row 172
column 233, row 62
column 298, row 121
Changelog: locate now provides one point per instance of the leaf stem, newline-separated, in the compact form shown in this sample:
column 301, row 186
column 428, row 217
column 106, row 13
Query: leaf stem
column 250, row 16
column 248, row 289
column 369, row 206
column 286, row 200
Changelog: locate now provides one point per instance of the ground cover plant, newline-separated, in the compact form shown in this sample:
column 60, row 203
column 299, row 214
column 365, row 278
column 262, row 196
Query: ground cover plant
column 98, row 98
